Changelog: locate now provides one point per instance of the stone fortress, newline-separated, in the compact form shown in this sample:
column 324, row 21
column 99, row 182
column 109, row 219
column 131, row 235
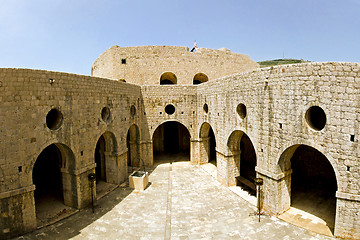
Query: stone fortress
column 295, row 126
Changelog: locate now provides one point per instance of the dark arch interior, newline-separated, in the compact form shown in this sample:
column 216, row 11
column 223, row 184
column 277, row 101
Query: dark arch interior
column 47, row 174
column 132, row 143
column 47, row 178
column 100, row 169
column 171, row 138
column 166, row 82
column 212, row 146
column 196, row 82
column 313, row 184
column 247, row 165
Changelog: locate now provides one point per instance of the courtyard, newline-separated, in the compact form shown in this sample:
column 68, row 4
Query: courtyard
column 182, row 201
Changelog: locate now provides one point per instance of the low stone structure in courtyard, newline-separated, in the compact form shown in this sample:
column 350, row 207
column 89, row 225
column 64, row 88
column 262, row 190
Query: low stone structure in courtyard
column 295, row 126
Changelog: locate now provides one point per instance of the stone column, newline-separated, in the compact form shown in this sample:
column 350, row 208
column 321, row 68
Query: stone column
column 17, row 209
column 228, row 167
column 194, row 151
column 134, row 153
column 76, row 186
column 276, row 190
column 114, row 168
column 200, row 150
column 347, row 220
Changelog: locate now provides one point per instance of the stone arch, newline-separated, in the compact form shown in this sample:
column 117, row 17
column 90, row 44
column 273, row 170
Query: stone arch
column 207, row 144
column 53, row 181
column 105, row 158
column 133, row 145
column 168, row 78
column 244, row 160
column 200, row 78
column 311, row 182
column 171, row 137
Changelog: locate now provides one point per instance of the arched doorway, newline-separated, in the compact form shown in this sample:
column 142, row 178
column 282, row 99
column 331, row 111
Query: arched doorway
column 200, row 78
column 244, row 155
column 100, row 169
column 133, row 145
column 105, row 159
column 51, row 194
column 313, row 182
column 208, row 143
column 168, row 78
column 171, row 139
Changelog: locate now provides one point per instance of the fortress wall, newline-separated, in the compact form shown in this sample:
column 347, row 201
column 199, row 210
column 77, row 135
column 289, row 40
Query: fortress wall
column 276, row 100
column 145, row 65
column 282, row 95
column 26, row 97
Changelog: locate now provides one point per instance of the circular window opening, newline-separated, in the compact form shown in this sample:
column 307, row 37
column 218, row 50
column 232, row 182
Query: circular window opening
column 54, row 119
column 132, row 110
column 170, row 109
column 316, row 118
column 105, row 114
column 241, row 110
column 206, row 108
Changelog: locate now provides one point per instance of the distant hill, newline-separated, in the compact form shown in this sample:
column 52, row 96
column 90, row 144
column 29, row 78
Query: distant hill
column 275, row 62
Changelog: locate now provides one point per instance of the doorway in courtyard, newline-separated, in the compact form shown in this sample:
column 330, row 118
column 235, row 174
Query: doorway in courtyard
column 245, row 160
column 50, row 193
column 207, row 144
column 313, row 183
column 171, row 142
column 133, row 145
column 105, row 159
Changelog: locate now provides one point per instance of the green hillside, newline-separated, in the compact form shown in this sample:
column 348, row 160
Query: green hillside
column 275, row 62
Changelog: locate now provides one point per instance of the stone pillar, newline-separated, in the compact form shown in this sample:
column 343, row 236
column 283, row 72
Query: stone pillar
column 276, row 190
column 200, row 150
column 194, row 151
column 134, row 153
column 17, row 210
column 146, row 150
column 228, row 167
column 114, row 168
column 347, row 220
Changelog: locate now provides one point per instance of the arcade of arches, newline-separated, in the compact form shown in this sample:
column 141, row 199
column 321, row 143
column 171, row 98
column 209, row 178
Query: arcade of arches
column 311, row 186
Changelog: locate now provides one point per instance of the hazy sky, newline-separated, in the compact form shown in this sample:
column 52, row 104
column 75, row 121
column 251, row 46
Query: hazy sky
column 69, row 35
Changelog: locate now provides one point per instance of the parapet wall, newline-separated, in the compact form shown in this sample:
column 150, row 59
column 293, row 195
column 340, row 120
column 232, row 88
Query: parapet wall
column 145, row 65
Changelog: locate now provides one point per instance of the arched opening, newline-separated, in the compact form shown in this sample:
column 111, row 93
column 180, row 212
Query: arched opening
column 100, row 169
column 168, row 78
column 133, row 145
column 105, row 161
column 200, row 78
column 208, row 143
column 171, row 141
column 51, row 197
column 313, row 182
column 245, row 160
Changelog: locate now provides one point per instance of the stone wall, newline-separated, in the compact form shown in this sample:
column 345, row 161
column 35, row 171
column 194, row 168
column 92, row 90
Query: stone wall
column 145, row 65
column 276, row 100
column 26, row 97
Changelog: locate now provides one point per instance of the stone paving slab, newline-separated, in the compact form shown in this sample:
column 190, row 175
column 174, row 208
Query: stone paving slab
column 182, row 202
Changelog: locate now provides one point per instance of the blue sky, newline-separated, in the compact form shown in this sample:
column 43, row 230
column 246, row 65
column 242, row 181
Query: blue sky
column 69, row 35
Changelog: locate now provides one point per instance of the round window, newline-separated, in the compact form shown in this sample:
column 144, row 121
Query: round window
column 54, row 119
column 241, row 110
column 169, row 109
column 316, row 118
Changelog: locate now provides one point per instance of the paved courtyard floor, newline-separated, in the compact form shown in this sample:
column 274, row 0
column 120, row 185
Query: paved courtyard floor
column 182, row 202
